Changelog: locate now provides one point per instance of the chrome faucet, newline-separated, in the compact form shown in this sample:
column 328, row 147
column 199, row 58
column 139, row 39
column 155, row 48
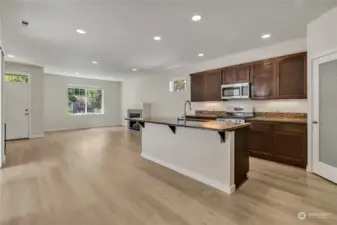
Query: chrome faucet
column 184, row 118
column 185, row 108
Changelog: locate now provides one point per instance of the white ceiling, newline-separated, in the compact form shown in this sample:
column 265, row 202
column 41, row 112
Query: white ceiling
column 120, row 33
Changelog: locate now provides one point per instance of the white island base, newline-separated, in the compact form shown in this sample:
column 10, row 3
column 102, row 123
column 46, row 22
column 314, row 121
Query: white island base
column 198, row 153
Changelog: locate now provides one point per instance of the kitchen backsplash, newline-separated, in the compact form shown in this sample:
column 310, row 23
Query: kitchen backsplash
column 293, row 105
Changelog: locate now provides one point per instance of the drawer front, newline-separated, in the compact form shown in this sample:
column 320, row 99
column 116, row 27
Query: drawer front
column 295, row 128
column 260, row 126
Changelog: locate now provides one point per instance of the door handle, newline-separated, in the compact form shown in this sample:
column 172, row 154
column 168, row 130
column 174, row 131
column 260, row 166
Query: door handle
column 315, row 122
column 26, row 114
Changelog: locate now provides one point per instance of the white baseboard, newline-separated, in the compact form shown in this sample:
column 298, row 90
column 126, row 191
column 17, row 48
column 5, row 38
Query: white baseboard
column 213, row 183
column 36, row 136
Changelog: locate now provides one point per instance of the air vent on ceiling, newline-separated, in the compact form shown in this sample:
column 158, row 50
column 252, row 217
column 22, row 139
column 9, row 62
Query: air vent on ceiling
column 24, row 23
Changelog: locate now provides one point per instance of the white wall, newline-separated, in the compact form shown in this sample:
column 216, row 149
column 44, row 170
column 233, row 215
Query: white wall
column 322, row 39
column 1, row 106
column 155, row 88
column 322, row 34
column 56, row 104
column 36, row 79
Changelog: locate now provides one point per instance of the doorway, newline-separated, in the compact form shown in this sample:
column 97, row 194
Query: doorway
column 16, row 106
column 324, row 116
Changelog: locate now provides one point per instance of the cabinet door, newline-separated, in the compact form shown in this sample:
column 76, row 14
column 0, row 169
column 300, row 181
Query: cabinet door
column 291, row 76
column 228, row 76
column 263, row 80
column 213, row 86
column 260, row 143
column 242, row 74
column 290, row 148
column 197, row 87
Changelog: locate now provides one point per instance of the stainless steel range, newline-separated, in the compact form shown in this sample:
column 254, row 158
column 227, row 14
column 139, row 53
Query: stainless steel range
column 237, row 114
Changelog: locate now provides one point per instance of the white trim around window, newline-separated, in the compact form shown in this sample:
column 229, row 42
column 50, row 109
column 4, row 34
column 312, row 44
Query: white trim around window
column 85, row 100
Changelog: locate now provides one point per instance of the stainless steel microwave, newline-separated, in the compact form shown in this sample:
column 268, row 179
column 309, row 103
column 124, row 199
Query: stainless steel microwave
column 235, row 91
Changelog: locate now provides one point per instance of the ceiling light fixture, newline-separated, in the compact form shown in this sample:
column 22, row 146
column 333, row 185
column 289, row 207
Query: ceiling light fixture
column 134, row 69
column 80, row 31
column 265, row 36
column 94, row 62
column 196, row 17
column 201, row 54
column 10, row 56
column 157, row 38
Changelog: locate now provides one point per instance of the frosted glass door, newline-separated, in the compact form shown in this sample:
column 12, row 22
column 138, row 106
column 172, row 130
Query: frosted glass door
column 325, row 117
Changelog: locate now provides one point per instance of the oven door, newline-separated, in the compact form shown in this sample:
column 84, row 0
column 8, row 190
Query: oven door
column 231, row 91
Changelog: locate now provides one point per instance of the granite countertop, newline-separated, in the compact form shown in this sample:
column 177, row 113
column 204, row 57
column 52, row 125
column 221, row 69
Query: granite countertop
column 278, row 119
column 209, row 125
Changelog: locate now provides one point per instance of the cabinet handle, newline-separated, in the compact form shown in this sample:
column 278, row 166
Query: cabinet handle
column 315, row 122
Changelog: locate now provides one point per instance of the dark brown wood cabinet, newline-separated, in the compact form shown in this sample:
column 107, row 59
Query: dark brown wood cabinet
column 212, row 86
column 282, row 77
column 206, row 86
column 263, row 80
column 280, row 142
column 260, row 140
column 236, row 74
column 197, row 87
column 228, row 76
column 292, row 76
column 242, row 74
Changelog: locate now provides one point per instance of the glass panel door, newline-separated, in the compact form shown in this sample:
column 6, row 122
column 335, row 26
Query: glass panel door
column 327, row 113
column 324, row 116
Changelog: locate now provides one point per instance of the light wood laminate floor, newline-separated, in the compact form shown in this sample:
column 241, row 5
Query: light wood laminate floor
column 96, row 176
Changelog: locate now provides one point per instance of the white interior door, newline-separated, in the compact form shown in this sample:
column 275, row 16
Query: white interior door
column 16, row 96
column 325, row 116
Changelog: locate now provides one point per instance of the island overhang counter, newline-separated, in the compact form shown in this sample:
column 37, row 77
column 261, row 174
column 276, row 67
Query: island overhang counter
column 214, row 153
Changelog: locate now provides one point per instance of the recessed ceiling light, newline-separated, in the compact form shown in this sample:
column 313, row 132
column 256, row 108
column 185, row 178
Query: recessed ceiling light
column 94, row 62
column 201, row 54
column 10, row 56
column 80, row 31
column 134, row 69
column 157, row 38
column 265, row 36
column 196, row 18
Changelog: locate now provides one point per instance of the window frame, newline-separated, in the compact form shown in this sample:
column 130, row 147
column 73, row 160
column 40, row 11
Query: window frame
column 18, row 75
column 171, row 84
column 86, row 100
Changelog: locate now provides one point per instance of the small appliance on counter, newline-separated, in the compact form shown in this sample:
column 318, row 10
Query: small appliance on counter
column 235, row 91
column 237, row 114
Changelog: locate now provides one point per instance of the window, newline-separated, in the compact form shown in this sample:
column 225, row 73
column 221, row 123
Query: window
column 84, row 101
column 177, row 85
column 16, row 78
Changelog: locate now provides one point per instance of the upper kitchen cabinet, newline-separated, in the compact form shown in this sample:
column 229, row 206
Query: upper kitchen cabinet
column 228, row 76
column 282, row 77
column 235, row 74
column 197, row 87
column 242, row 73
column 206, row 86
column 263, row 80
column 292, row 76
column 213, row 86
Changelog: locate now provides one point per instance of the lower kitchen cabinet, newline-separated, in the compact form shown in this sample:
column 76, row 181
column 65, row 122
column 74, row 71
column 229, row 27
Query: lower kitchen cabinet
column 290, row 148
column 279, row 142
column 260, row 141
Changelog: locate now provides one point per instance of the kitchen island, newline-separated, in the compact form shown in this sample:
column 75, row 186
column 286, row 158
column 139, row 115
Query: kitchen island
column 213, row 152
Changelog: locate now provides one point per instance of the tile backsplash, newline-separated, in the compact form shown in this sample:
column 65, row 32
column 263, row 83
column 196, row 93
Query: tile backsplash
column 291, row 105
